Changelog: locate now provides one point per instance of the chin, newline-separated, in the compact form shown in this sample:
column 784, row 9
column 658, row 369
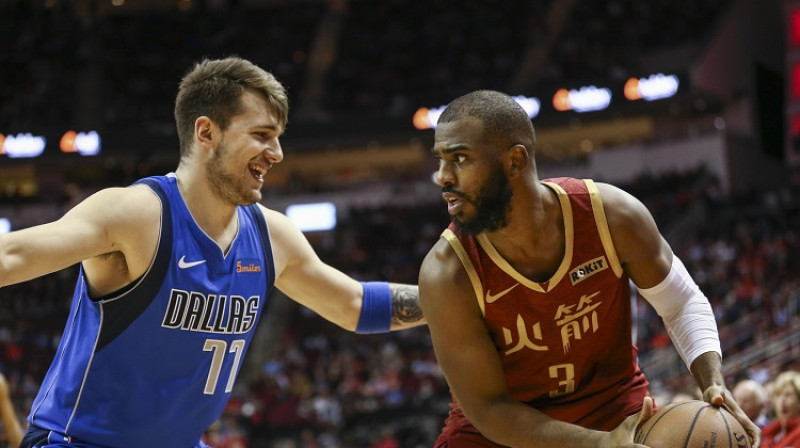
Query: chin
column 467, row 227
column 244, row 197
column 250, row 199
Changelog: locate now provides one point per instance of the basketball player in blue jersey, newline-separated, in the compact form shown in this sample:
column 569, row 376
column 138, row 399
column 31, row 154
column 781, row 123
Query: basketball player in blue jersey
column 527, row 294
column 175, row 272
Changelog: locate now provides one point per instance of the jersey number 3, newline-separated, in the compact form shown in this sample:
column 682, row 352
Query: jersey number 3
column 565, row 374
column 219, row 349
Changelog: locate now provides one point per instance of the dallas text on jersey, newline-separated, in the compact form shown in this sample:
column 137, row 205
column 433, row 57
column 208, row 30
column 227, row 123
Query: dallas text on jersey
column 195, row 311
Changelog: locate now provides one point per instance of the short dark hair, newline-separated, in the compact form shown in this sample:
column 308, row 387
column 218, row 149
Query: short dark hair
column 505, row 121
column 214, row 87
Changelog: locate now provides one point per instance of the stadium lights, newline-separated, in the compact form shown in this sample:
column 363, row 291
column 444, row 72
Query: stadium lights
column 531, row 105
column 425, row 118
column 654, row 87
column 30, row 145
column 588, row 98
column 585, row 99
column 84, row 143
column 22, row 145
column 312, row 217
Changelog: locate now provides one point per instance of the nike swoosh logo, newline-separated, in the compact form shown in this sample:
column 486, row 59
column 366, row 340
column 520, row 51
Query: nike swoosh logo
column 183, row 264
column 490, row 298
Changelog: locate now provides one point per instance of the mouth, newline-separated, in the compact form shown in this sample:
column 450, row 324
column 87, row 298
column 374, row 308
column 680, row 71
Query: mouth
column 258, row 171
column 454, row 201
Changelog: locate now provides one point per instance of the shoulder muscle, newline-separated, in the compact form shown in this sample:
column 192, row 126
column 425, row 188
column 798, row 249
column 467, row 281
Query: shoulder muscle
column 643, row 252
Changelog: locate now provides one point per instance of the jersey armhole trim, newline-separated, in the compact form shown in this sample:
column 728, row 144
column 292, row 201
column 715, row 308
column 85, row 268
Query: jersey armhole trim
column 266, row 244
column 602, row 227
column 458, row 248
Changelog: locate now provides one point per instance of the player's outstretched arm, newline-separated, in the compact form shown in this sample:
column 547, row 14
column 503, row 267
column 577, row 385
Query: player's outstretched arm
column 111, row 220
column 337, row 297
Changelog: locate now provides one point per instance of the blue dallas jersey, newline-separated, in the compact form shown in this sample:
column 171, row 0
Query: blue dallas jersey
column 154, row 365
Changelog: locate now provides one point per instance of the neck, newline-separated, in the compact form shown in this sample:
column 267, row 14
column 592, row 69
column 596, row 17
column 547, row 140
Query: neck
column 532, row 208
column 534, row 236
column 215, row 216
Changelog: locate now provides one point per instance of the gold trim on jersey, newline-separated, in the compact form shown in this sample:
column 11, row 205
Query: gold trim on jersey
column 458, row 248
column 569, row 230
column 602, row 227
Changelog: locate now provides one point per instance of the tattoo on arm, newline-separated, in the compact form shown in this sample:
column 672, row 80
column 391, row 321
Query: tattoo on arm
column 405, row 303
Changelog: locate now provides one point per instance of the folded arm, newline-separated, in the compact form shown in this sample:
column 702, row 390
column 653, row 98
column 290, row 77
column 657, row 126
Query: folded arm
column 470, row 361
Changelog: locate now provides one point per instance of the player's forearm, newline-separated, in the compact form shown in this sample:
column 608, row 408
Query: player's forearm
column 12, row 266
column 26, row 254
column 406, row 310
column 387, row 307
column 517, row 425
column 707, row 370
column 6, row 277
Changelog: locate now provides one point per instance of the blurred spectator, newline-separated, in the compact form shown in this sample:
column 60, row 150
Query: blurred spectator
column 385, row 439
column 389, row 57
column 784, row 430
column 332, row 390
column 12, row 428
column 752, row 398
column 320, row 386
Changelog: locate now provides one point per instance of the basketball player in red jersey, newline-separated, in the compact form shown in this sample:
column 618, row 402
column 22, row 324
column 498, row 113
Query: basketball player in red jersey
column 527, row 294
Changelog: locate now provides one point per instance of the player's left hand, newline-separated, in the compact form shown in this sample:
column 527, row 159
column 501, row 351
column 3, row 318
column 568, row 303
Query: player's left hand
column 721, row 396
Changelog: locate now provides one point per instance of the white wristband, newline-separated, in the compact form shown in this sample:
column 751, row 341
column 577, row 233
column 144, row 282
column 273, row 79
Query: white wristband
column 686, row 312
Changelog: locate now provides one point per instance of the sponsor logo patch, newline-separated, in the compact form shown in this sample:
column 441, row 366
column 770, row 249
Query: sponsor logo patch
column 587, row 269
column 247, row 266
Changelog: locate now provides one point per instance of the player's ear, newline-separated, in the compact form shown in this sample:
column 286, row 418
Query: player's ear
column 205, row 132
column 520, row 159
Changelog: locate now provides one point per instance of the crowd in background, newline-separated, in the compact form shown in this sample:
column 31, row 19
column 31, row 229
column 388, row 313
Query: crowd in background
column 387, row 59
column 605, row 39
column 310, row 384
column 307, row 383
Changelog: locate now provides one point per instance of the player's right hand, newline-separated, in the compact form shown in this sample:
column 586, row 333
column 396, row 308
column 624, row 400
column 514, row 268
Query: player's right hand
column 623, row 435
column 721, row 396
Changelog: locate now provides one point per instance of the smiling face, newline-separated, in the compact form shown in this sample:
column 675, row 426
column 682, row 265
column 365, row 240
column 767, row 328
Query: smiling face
column 473, row 180
column 246, row 150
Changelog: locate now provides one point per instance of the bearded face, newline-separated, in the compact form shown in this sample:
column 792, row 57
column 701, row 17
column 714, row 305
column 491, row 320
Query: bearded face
column 491, row 204
column 228, row 183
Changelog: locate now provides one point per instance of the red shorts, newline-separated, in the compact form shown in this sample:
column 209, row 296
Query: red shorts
column 459, row 433
column 464, row 439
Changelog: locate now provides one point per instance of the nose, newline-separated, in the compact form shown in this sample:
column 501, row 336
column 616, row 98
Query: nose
column 443, row 176
column 274, row 152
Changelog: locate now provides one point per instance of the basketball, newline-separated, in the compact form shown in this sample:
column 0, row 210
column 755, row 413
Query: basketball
column 692, row 424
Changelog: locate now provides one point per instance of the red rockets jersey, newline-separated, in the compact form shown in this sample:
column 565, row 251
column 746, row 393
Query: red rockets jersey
column 565, row 344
